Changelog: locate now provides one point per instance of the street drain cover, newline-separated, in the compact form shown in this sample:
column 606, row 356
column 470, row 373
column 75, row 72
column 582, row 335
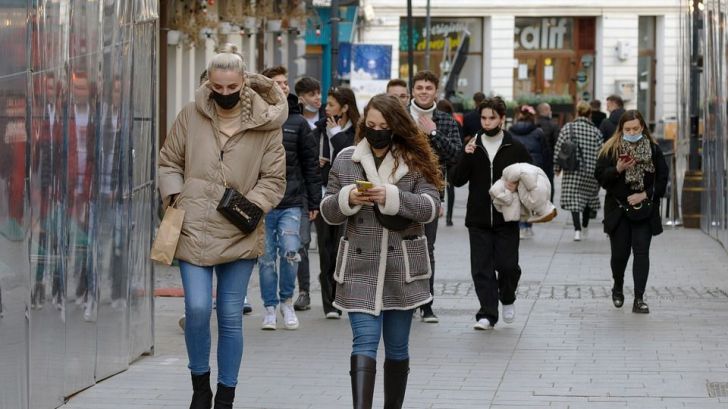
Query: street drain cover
column 718, row 389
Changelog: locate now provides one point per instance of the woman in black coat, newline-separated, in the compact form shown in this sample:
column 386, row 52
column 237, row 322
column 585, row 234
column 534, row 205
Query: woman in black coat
column 632, row 169
column 525, row 131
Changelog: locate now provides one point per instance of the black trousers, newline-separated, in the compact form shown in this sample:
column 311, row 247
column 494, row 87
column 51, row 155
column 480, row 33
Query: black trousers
column 584, row 219
column 431, row 234
column 450, row 201
column 634, row 237
column 494, row 250
column 304, row 269
column 327, row 237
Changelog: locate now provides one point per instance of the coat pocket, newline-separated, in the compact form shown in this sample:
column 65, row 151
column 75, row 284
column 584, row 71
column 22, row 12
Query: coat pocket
column 416, row 259
column 342, row 258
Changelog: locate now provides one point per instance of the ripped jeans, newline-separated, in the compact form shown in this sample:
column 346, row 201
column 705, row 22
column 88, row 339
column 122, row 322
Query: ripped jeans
column 282, row 240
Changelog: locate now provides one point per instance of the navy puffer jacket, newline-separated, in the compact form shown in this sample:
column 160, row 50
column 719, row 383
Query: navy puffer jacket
column 532, row 137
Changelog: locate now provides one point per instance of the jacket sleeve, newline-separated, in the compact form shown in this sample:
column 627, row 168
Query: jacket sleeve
column 606, row 172
column 460, row 173
column 446, row 141
column 557, row 147
column 341, row 141
column 271, row 184
column 335, row 207
column 662, row 173
column 308, row 158
column 172, row 158
column 421, row 205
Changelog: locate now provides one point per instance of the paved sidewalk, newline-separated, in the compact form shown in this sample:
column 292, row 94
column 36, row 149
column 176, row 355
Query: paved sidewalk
column 568, row 348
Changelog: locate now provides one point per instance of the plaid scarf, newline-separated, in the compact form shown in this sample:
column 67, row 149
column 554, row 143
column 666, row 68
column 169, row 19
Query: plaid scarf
column 641, row 151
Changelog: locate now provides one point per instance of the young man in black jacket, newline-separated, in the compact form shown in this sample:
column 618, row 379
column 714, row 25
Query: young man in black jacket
column 445, row 140
column 615, row 106
column 493, row 241
column 283, row 224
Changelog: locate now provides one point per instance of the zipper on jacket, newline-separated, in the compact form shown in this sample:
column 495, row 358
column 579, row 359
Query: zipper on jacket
column 490, row 164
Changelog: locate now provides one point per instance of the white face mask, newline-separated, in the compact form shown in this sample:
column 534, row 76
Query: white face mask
column 632, row 138
column 309, row 108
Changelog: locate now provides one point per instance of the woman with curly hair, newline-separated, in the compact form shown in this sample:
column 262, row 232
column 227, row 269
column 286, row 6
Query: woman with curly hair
column 383, row 190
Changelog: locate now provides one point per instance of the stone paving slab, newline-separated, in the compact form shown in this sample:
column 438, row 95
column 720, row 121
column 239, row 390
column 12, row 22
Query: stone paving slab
column 568, row 348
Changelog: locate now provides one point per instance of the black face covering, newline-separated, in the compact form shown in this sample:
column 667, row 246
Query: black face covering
column 492, row 132
column 378, row 138
column 226, row 101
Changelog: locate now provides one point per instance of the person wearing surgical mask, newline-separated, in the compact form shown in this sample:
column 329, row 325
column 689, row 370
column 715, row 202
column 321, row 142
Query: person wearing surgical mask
column 383, row 191
column 632, row 169
column 308, row 91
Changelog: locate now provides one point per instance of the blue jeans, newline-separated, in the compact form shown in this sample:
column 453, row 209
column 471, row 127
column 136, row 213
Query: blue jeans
column 282, row 239
column 232, row 285
column 368, row 329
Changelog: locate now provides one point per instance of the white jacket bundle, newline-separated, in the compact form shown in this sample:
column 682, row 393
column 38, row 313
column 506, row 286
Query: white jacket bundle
column 531, row 202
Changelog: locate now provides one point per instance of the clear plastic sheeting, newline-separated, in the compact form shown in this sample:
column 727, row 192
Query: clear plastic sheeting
column 77, row 159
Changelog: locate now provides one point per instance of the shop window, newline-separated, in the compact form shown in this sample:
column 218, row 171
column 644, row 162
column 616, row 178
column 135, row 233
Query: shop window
column 446, row 34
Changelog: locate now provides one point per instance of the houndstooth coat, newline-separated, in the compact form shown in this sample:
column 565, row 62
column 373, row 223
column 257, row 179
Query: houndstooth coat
column 378, row 269
column 579, row 188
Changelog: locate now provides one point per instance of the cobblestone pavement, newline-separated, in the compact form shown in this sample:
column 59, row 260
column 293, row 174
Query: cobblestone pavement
column 568, row 348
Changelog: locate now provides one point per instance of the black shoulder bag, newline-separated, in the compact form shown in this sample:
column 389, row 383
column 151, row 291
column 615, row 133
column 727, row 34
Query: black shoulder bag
column 235, row 207
column 568, row 157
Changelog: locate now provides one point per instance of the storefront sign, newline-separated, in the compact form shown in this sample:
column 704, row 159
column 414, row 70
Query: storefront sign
column 542, row 33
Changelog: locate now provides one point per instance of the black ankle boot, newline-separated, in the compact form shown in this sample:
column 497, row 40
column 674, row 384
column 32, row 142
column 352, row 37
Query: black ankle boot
column 224, row 397
column 363, row 372
column 640, row 306
column 202, row 394
column 395, row 383
column 617, row 298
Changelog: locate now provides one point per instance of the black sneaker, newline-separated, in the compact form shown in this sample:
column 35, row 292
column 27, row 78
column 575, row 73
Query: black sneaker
column 640, row 306
column 303, row 302
column 247, row 308
column 428, row 316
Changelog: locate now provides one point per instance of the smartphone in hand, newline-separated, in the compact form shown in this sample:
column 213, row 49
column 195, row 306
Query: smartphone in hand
column 625, row 157
column 364, row 185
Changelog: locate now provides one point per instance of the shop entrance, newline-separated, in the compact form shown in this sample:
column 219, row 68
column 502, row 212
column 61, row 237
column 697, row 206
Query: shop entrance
column 555, row 61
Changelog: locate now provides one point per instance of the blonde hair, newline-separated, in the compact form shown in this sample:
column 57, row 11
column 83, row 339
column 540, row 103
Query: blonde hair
column 583, row 109
column 227, row 59
column 611, row 146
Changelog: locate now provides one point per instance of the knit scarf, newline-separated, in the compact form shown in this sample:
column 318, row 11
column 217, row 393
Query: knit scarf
column 641, row 151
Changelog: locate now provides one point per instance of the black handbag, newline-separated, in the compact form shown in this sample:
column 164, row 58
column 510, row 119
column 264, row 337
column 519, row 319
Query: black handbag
column 235, row 207
column 240, row 211
column 394, row 223
column 568, row 156
column 638, row 212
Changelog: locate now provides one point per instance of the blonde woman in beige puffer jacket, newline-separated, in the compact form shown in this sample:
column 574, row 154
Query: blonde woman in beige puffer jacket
column 230, row 135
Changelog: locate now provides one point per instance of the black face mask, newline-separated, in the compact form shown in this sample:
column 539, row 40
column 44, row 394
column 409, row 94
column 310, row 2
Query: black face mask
column 492, row 132
column 378, row 138
column 226, row 101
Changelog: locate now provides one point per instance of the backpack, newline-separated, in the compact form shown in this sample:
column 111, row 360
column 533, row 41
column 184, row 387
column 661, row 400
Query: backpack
column 568, row 157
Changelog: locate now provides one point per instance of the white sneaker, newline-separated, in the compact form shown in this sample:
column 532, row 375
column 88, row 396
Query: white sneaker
column 333, row 315
column 529, row 231
column 290, row 321
column 577, row 235
column 522, row 234
column 509, row 313
column 269, row 319
column 483, row 324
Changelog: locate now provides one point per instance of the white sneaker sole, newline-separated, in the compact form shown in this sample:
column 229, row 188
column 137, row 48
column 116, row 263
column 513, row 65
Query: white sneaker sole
column 479, row 327
column 509, row 320
column 333, row 316
column 290, row 326
column 268, row 327
column 431, row 320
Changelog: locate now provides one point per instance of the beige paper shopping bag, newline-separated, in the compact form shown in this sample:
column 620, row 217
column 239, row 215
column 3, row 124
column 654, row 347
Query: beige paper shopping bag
column 165, row 244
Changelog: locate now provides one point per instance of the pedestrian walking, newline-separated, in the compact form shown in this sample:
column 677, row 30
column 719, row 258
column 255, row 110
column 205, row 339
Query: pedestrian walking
column 398, row 88
column 597, row 116
column 579, row 188
column 308, row 90
column 283, row 224
column 471, row 120
column 615, row 107
column 493, row 241
column 526, row 131
column 445, row 106
column 547, row 124
column 632, row 168
column 228, row 138
column 334, row 133
column 383, row 191
column 442, row 131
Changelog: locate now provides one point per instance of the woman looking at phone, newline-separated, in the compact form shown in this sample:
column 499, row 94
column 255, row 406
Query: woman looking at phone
column 382, row 266
column 632, row 168
column 579, row 189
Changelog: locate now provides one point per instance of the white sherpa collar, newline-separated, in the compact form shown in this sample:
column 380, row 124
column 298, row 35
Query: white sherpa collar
column 363, row 155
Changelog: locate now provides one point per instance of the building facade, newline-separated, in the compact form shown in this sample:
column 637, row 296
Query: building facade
column 77, row 192
column 543, row 50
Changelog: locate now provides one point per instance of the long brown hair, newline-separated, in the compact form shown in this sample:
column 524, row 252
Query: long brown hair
column 345, row 96
column 611, row 147
column 411, row 142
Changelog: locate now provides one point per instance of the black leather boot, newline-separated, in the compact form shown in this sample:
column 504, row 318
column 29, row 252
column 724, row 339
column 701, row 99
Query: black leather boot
column 363, row 372
column 395, row 383
column 224, row 397
column 202, row 394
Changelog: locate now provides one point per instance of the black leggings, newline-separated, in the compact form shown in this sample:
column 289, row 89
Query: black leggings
column 584, row 222
column 631, row 237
